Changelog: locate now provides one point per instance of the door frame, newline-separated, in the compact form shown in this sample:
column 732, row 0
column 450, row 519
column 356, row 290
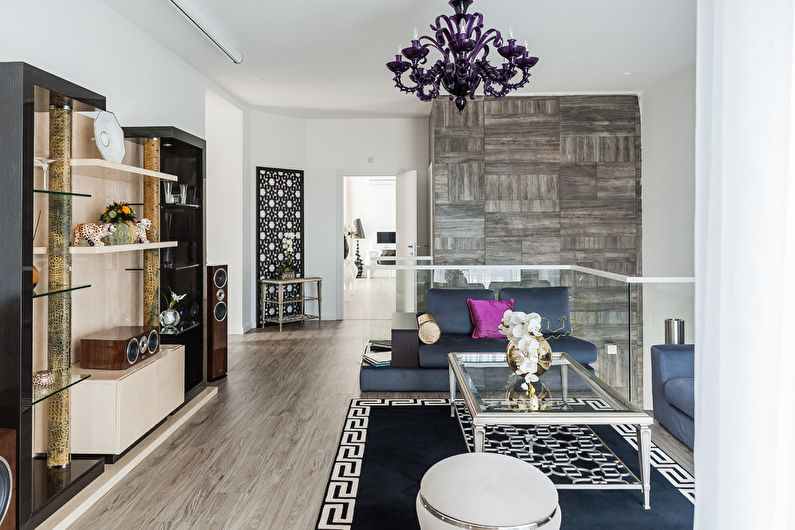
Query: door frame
column 341, row 174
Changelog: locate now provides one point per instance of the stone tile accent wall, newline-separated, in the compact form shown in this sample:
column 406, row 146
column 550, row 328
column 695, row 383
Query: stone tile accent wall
column 538, row 180
column 546, row 181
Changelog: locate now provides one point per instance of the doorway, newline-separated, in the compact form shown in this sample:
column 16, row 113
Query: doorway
column 369, row 209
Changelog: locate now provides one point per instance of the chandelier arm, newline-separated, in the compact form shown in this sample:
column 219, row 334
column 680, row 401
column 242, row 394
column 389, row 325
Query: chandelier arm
column 434, row 44
column 403, row 88
column 491, row 35
column 451, row 27
column 525, row 79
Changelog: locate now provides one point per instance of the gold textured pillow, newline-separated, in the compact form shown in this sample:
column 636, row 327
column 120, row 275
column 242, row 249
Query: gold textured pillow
column 429, row 330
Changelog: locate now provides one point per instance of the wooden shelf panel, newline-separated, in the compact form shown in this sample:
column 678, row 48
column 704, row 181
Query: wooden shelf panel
column 291, row 318
column 112, row 249
column 286, row 302
column 97, row 167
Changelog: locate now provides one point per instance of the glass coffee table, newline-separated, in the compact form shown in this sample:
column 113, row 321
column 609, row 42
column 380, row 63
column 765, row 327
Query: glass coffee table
column 492, row 396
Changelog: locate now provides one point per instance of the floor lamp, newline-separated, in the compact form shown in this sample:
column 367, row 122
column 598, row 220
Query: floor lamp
column 359, row 228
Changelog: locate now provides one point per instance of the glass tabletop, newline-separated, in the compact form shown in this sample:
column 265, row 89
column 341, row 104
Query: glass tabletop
column 568, row 387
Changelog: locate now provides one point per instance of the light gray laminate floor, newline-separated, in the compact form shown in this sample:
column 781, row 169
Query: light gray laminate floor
column 258, row 455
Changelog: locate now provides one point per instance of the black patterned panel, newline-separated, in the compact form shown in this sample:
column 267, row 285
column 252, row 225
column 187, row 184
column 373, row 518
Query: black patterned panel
column 280, row 209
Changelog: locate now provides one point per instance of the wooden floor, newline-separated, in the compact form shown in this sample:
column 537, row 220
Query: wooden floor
column 258, row 455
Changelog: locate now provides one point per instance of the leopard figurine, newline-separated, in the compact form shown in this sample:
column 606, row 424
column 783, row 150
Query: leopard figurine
column 140, row 230
column 92, row 233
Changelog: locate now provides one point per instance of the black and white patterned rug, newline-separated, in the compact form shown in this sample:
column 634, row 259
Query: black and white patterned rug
column 569, row 455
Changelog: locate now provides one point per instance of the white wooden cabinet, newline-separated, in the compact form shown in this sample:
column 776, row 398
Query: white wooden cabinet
column 113, row 409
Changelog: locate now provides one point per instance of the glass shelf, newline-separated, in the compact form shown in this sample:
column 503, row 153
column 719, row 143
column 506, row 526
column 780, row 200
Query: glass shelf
column 181, row 267
column 179, row 205
column 65, row 289
column 71, row 194
column 181, row 328
column 61, row 383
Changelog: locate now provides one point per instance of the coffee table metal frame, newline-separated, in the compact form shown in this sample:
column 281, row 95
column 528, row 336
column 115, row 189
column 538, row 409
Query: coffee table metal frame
column 630, row 415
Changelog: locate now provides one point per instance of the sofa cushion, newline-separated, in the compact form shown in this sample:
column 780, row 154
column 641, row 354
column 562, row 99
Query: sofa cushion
column 680, row 392
column 486, row 316
column 449, row 308
column 580, row 350
column 435, row 355
column 549, row 302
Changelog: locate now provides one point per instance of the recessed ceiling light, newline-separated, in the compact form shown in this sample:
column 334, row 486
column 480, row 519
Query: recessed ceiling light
column 256, row 79
column 627, row 73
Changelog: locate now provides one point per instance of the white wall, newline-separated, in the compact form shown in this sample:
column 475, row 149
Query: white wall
column 668, row 136
column 94, row 46
column 225, row 197
column 91, row 44
column 340, row 148
column 272, row 141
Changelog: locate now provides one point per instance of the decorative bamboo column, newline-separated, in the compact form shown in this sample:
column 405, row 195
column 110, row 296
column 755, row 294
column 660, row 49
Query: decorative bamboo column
column 59, row 276
column 151, row 303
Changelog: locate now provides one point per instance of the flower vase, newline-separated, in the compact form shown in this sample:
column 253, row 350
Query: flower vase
column 122, row 235
column 169, row 318
column 288, row 275
column 514, row 359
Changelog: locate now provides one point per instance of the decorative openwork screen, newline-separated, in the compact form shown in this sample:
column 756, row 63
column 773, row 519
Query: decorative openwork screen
column 280, row 209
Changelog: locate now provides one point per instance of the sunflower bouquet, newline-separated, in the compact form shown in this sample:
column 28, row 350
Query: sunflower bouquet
column 121, row 215
column 118, row 212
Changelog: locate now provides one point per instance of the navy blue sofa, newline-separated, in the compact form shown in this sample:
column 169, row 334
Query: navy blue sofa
column 423, row 367
column 673, row 389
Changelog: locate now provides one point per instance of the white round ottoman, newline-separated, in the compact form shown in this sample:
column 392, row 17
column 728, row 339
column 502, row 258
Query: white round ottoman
column 487, row 491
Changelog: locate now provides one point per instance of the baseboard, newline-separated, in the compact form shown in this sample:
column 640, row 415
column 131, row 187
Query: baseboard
column 237, row 331
column 114, row 473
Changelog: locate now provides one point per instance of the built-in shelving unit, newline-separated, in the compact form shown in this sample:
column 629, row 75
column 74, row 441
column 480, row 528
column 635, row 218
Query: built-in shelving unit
column 43, row 291
column 26, row 95
column 113, row 249
column 182, row 269
column 180, row 205
column 71, row 194
column 97, row 167
column 179, row 329
column 61, row 383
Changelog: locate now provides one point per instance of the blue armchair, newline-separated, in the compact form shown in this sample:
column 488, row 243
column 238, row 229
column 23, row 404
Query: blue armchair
column 673, row 389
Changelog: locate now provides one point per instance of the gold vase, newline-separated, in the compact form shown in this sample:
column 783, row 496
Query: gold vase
column 544, row 356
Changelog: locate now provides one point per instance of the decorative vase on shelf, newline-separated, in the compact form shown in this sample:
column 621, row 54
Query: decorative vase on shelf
column 288, row 275
column 169, row 318
column 122, row 235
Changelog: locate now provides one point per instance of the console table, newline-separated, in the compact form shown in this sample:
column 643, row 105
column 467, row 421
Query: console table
column 280, row 300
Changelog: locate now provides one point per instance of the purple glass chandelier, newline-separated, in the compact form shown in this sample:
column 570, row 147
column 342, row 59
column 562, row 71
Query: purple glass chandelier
column 464, row 65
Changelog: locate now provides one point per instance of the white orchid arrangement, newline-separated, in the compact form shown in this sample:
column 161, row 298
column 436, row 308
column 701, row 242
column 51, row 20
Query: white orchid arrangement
column 175, row 299
column 288, row 246
column 522, row 330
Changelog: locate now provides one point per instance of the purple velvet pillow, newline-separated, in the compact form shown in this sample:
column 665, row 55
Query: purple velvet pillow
column 486, row 315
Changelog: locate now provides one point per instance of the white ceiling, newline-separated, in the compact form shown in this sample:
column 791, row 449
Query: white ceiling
column 325, row 58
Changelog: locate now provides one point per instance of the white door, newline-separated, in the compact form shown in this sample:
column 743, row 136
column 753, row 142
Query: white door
column 406, row 238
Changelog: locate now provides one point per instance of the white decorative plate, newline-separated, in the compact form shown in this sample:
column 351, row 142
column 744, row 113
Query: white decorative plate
column 109, row 137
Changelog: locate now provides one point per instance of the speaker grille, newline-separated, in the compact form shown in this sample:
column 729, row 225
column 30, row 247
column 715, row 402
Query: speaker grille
column 133, row 350
column 6, row 487
column 154, row 341
column 219, row 311
column 219, row 278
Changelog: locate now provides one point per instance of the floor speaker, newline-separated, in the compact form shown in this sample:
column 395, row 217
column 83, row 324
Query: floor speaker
column 8, row 460
column 217, row 277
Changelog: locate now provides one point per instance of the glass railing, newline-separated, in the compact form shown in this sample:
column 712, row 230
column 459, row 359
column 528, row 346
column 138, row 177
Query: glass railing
column 623, row 316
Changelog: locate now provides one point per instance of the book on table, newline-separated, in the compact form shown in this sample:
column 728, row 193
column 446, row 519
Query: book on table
column 379, row 358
